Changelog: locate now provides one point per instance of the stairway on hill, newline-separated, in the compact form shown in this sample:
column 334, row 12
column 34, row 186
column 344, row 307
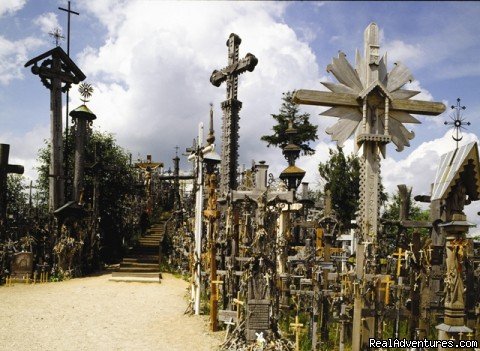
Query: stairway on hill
column 141, row 264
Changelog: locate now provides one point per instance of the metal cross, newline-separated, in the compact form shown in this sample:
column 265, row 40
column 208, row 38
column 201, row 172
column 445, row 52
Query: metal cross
column 68, row 11
column 57, row 35
column 457, row 121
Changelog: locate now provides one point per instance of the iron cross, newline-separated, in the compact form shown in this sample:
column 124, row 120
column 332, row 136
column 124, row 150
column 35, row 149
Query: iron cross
column 68, row 11
column 235, row 67
column 458, row 121
column 57, row 35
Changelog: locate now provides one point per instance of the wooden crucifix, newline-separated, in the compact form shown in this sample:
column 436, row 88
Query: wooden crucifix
column 5, row 169
column 148, row 167
column 231, row 108
column 55, row 69
column 371, row 103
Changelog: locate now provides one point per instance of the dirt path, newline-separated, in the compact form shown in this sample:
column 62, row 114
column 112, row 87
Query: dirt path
column 95, row 314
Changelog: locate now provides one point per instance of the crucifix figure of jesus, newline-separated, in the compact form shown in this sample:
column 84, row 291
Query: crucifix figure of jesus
column 231, row 108
column 370, row 102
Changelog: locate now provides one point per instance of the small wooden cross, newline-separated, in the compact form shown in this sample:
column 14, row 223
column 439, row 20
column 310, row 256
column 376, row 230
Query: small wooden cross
column 346, row 283
column 216, row 283
column 429, row 256
column 297, row 327
column 399, row 255
column 229, row 323
column 411, row 246
column 239, row 303
column 387, row 283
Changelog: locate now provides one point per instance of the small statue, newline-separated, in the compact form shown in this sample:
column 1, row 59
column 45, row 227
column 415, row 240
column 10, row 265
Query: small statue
column 457, row 199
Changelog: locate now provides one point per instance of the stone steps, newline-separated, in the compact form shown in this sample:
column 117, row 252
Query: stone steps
column 139, row 269
column 141, row 263
column 129, row 264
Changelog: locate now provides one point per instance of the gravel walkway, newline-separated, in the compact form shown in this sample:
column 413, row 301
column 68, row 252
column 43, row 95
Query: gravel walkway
column 95, row 314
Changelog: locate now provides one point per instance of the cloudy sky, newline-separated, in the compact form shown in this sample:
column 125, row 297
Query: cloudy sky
column 150, row 63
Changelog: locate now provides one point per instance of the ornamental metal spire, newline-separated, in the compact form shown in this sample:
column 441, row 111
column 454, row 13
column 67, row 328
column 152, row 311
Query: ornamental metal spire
column 56, row 34
column 458, row 121
column 86, row 90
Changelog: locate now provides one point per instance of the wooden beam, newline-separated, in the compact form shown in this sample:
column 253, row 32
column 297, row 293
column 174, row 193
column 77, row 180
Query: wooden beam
column 323, row 98
column 416, row 224
column 429, row 108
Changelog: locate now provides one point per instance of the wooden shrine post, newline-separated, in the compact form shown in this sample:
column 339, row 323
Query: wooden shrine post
column 5, row 169
column 82, row 117
column 369, row 102
column 211, row 213
column 456, row 185
column 55, row 69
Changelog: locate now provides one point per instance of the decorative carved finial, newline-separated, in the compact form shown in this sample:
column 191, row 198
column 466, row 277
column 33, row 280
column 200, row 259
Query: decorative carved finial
column 86, row 90
column 458, row 121
column 57, row 35
column 211, row 133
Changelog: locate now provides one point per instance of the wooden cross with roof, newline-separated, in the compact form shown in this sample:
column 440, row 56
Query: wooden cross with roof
column 364, row 87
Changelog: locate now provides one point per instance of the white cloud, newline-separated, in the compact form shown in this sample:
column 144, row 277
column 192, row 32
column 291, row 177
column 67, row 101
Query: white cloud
column 418, row 169
column 410, row 54
column 11, row 6
column 47, row 22
column 152, row 90
column 24, row 148
column 13, row 55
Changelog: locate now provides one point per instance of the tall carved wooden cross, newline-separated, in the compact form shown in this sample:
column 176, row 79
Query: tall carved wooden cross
column 369, row 102
column 231, row 108
column 55, row 69
column 5, row 169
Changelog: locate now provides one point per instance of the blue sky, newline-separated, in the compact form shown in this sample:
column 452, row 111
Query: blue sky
column 150, row 63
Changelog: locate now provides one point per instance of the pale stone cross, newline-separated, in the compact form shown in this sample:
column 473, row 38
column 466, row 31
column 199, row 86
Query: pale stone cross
column 260, row 194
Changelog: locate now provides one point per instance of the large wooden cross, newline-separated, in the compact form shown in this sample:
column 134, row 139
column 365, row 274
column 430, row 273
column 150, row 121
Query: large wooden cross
column 231, row 108
column 5, row 169
column 370, row 102
column 56, row 68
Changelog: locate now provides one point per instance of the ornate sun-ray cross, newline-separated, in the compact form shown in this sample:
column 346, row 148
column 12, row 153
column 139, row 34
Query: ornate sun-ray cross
column 458, row 121
column 56, row 34
column 370, row 102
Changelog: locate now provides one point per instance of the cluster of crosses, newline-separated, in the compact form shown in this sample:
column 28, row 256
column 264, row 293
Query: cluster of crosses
column 269, row 257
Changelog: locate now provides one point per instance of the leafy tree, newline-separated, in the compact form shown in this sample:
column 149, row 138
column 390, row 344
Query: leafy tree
column 17, row 199
column 342, row 177
column 116, row 185
column 392, row 212
column 306, row 131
